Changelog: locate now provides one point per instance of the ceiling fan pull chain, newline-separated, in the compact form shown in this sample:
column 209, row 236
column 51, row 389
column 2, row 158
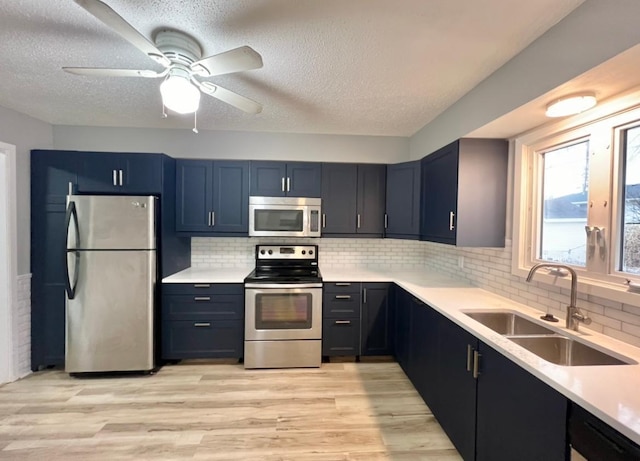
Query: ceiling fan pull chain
column 195, row 122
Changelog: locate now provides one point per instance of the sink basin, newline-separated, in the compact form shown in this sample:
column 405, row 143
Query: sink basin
column 509, row 323
column 568, row 352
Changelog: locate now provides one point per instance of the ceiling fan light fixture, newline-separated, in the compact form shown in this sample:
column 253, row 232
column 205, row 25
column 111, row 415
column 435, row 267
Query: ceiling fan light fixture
column 179, row 94
column 571, row 105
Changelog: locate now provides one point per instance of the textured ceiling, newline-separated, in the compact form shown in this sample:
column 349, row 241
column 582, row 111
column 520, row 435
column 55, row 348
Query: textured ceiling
column 375, row 67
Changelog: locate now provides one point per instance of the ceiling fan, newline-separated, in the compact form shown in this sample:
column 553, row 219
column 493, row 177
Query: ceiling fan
column 184, row 65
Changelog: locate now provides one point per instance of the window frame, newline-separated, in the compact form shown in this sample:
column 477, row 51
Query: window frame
column 604, row 128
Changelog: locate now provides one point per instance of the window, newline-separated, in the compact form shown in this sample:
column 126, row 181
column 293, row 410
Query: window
column 577, row 196
column 630, row 235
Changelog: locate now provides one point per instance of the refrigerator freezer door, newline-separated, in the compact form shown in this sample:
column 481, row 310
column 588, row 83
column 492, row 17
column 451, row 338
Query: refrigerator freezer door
column 109, row 222
column 109, row 322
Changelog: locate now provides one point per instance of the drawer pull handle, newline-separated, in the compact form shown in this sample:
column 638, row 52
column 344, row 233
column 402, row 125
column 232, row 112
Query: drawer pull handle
column 343, row 296
column 343, row 284
column 343, row 322
column 202, row 324
column 202, row 298
column 202, row 285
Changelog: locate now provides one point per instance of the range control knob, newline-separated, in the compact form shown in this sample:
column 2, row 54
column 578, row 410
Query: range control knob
column 270, row 252
column 304, row 252
column 262, row 252
column 310, row 252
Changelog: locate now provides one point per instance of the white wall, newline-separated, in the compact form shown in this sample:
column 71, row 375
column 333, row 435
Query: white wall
column 593, row 33
column 235, row 144
column 25, row 133
column 6, row 363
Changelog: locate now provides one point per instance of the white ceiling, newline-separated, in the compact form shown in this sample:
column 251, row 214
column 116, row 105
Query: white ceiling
column 371, row 67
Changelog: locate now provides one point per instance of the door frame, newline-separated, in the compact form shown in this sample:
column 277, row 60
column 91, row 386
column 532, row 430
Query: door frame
column 7, row 340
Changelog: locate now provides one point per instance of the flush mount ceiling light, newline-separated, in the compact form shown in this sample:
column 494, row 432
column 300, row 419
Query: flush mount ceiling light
column 178, row 93
column 571, row 105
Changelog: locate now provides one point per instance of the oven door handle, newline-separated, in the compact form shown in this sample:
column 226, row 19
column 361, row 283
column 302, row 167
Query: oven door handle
column 283, row 285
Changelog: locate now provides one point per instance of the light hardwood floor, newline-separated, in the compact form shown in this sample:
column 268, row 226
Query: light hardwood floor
column 201, row 411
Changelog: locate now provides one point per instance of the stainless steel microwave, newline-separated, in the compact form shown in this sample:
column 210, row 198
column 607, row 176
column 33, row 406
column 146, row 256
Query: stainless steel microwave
column 284, row 217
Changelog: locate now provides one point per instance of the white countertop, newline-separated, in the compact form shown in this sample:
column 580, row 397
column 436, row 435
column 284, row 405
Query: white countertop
column 209, row 275
column 610, row 392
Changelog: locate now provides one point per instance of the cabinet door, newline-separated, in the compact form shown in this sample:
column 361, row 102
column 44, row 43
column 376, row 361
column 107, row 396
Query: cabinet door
column 51, row 173
column 376, row 320
column 193, row 195
column 339, row 192
column 230, row 197
column 99, row 172
column 518, row 416
column 142, row 174
column 371, row 199
column 423, row 355
column 403, row 200
column 340, row 336
column 184, row 339
column 402, row 328
column 440, row 195
column 455, row 402
column 303, row 179
column 268, row 179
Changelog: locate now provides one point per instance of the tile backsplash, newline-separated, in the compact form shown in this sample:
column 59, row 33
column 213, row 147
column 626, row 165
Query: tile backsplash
column 487, row 268
column 332, row 252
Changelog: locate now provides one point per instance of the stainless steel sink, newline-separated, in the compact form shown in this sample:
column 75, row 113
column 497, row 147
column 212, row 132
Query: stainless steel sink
column 568, row 352
column 509, row 323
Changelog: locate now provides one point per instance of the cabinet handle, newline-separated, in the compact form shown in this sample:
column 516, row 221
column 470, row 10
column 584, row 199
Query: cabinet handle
column 451, row 216
column 476, row 362
column 209, row 219
column 202, row 324
column 364, row 295
column 115, row 178
column 469, row 356
column 358, row 221
column 213, row 218
column 202, row 298
column 288, row 184
column 386, row 220
column 343, row 284
column 343, row 296
column 343, row 322
column 120, row 174
column 283, row 184
column 201, row 285
column 324, row 220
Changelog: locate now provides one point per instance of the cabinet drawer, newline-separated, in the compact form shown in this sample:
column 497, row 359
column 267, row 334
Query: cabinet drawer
column 340, row 337
column 341, row 305
column 202, row 339
column 202, row 306
column 202, row 288
column 342, row 287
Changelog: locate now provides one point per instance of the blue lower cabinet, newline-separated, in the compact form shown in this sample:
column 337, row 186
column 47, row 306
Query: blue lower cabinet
column 202, row 321
column 340, row 336
column 185, row 339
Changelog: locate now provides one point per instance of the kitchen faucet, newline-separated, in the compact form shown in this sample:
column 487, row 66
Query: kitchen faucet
column 574, row 316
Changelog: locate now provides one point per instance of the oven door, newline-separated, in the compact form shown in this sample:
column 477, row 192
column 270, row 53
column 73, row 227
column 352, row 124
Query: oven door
column 273, row 312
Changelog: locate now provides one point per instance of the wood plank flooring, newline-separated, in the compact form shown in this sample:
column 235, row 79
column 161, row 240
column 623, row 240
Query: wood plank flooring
column 203, row 411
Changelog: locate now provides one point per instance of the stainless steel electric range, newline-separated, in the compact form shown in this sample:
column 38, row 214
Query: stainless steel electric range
column 283, row 308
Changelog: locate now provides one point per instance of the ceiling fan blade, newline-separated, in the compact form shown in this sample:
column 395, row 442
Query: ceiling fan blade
column 231, row 98
column 104, row 13
column 101, row 72
column 236, row 60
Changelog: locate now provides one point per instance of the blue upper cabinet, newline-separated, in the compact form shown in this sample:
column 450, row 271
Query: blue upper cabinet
column 353, row 199
column 120, row 173
column 464, row 193
column 403, row 200
column 285, row 179
column 212, row 197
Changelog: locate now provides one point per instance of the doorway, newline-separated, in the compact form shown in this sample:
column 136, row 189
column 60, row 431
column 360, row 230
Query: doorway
column 8, row 260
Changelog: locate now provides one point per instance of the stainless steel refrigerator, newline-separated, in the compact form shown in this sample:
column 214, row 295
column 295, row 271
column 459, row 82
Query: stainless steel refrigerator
column 110, row 283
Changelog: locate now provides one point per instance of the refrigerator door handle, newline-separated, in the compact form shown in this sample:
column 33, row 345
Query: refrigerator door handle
column 71, row 289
